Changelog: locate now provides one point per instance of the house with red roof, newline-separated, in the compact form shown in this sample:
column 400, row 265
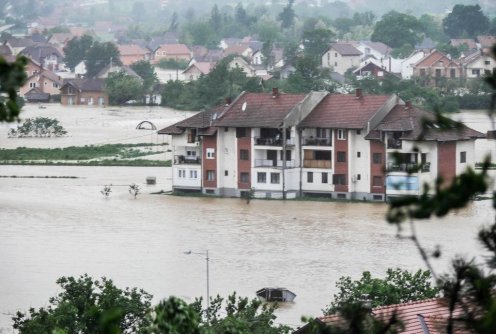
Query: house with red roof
column 435, row 66
column 197, row 69
column 172, row 51
column 318, row 144
column 131, row 53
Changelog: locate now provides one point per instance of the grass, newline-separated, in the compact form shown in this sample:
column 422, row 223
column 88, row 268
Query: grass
column 104, row 155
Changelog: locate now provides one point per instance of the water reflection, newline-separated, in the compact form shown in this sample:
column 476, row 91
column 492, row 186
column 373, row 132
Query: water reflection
column 54, row 227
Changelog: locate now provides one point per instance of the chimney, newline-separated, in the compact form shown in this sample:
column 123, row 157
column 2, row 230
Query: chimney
column 275, row 92
column 358, row 93
column 228, row 101
column 408, row 105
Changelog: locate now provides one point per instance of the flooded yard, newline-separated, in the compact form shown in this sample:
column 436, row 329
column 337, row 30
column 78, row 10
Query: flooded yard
column 52, row 227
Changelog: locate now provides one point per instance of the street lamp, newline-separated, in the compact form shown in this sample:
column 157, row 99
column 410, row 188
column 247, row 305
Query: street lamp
column 207, row 259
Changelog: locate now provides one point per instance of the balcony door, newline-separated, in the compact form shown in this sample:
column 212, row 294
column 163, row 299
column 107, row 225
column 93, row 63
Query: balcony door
column 272, row 155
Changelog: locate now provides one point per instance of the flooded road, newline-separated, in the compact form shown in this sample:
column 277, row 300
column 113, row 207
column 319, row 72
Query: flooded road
column 55, row 227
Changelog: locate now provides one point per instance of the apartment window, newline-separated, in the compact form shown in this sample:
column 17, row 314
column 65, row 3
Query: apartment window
column 335, row 63
column 262, row 177
column 423, row 158
column 463, row 157
column 341, row 156
column 210, row 153
column 322, row 155
column 309, row 177
column 210, row 175
column 244, row 177
column 193, row 174
column 275, row 178
column 359, row 154
column 244, row 155
column 358, row 132
column 359, row 177
column 191, row 154
column 377, row 181
column 191, row 135
column 288, row 155
column 321, row 133
column 241, row 132
column 339, row 179
column 32, row 84
column 341, row 134
column 226, row 173
column 377, row 158
column 182, row 173
column 324, row 178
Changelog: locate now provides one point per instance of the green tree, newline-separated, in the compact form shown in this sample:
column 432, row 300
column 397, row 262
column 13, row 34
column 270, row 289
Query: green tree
column 12, row 77
column 397, row 29
column 432, row 27
column 101, row 55
column 122, row 88
column 173, row 315
column 316, row 41
column 146, row 71
column 216, row 19
column 287, row 16
column 76, row 50
column 364, row 18
column 174, row 22
column 465, row 21
column 308, row 76
column 88, row 306
column 399, row 286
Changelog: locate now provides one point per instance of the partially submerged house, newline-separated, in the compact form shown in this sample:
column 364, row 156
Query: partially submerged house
column 84, row 92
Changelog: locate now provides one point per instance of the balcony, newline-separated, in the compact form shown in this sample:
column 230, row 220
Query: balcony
column 317, row 164
column 186, row 160
column 273, row 163
column 317, row 141
column 409, row 167
column 394, row 144
column 273, row 141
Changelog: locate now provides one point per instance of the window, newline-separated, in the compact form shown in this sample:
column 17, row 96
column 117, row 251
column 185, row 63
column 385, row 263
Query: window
column 341, row 134
column 191, row 135
column 335, row 54
column 321, row 133
column 322, row 155
column 55, row 85
column 422, row 72
column 191, row 154
column 46, row 83
column 244, row 155
column 193, row 174
column 487, row 62
column 452, row 73
column 32, row 84
column 324, row 178
column 438, row 72
column 463, row 157
column 275, row 178
column 341, row 157
column 359, row 154
column 476, row 72
column 244, row 177
column 423, row 158
column 241, row 132
column 377, row 158
column 377, row 181
column 210, row 153
column 358, row 132
column 310, row 177
column 335, row 63
column 288, row 155
column 226, row 129
column 182, row 173
column 339, row 179
column 262, row 177
column 226, row 173
column 359, row 177
column 210, row 175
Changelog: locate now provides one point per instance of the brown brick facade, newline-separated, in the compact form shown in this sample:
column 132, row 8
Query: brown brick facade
column 446, row 160
column 376, row 167
column 77, row 98
column 244, row 166
column 209, row 164
column 341, row 145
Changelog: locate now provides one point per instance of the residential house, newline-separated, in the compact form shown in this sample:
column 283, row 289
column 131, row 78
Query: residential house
column 286, row 70
column 341, row 57
column 44, row 80
column 238, row 50
column 45, row 54
column 376, row 50
column 427, row 45
column 477, row 65
column 287, row 145
column 172, row 52
column 467, row 43
column 243, row 64
column 110, row 68
column 60, row 40
column 408, row 63
column 436, row 66
column 18, row 44
column 372, row 69
column 80, row 69
column 131, row 53
column 196, row 70
column 228, row 42
column 84, row 92
column 486, row 43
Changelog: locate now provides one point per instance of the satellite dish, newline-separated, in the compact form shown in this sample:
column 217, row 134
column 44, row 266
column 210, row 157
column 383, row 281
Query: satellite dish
column 243, row 107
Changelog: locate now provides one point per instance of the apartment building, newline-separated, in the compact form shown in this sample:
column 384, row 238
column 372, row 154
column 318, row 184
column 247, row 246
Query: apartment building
column 278, row 145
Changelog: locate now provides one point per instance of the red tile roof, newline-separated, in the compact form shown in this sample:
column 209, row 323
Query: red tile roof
column 344, row 111
column 261, row 110
column 175, row 49
column 201, row 120
column 434, row 58
column 486, row 41
column 131, row 50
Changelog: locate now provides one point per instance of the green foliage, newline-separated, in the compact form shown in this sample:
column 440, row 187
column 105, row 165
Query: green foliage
column 38, row 127
column 87, row 306
column 287, row 16
column 76, row 50
column 101, row 55
column 12, row 77
column 172, row 64
column 308, row 76
column 399, row 286
column 397, row 29
column 122, row 88
column 146, row 71
column 317, row 41
column 174, row 316
column 465, row 21
column 432, row 27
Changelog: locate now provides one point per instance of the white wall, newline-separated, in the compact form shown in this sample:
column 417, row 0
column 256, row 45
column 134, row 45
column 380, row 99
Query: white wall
column 407, row 64
column 467, row 146
column 339, row 64
column 227, row 156
column 166, row 75
column 358, row 166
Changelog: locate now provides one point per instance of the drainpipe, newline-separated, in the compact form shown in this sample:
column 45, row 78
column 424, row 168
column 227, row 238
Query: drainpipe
column 283, row 163
column 300, row 147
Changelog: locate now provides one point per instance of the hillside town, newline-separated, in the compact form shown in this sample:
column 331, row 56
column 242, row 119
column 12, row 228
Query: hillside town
column 262, row 167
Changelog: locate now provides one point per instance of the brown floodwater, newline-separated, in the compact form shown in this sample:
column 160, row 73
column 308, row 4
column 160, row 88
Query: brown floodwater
column 54, row 227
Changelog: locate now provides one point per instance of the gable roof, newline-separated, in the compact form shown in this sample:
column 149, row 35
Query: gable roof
column 344, row 111
column 201, row 120
column 261, row 110
column 410, row 121
column 86, row 85
column 345, row 49
column 427, row 43
column 378, row 46
column 434, row 58
column 175, row 49
column 486, row 41
column 38, row 52
column 470, row 43
column 203, row 67
column 104, row 72
column 238, row 49
column 131, row 50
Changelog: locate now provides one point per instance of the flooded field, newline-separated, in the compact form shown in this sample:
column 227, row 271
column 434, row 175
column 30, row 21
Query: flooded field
column 52, row 227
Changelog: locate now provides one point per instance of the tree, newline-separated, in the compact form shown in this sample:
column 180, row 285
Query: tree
column 316, row 41
column 397, row 29
column 432, row 27
column 76, row 50
column 287, row 15
column 146, row 71
column 308, row 76
column 88, row 306
column 465, row 21
column 122, row 88
column 397, row 287
column 101, row 55
column 174, row 22
column 216, row 19
column 12, row 77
